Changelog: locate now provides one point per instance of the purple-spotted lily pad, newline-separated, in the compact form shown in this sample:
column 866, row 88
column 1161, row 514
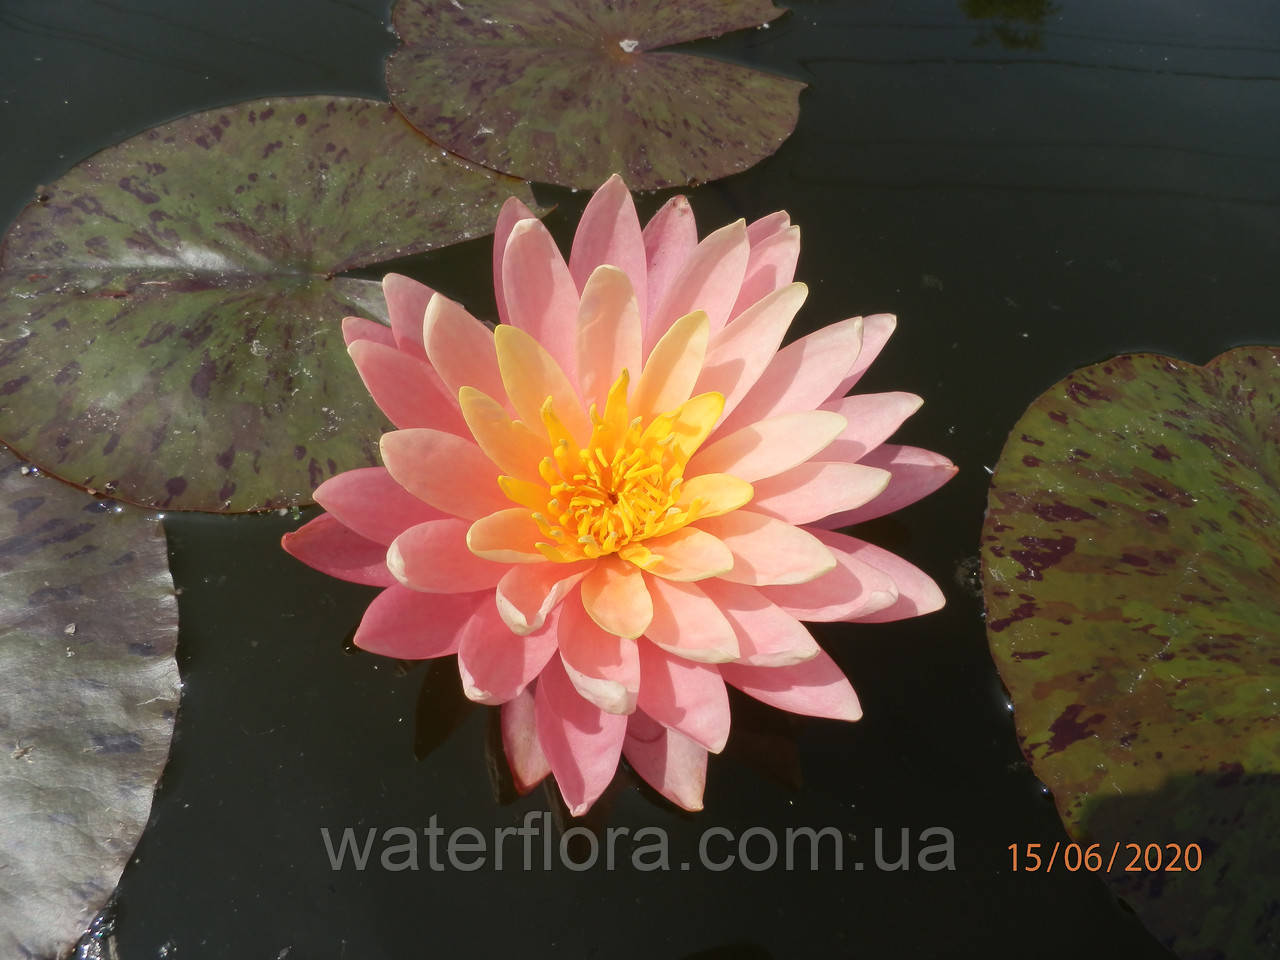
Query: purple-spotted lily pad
column 170, row 309
column 570, row 91
column 88, row 693
column 1132, row 579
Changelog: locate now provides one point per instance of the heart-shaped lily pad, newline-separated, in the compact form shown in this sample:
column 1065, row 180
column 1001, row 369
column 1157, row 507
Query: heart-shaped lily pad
column 1132, row 580
column 170, row 311
column 570, row 91
column 88, row 693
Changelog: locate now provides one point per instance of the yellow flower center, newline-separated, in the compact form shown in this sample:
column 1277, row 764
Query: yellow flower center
column 625, row 486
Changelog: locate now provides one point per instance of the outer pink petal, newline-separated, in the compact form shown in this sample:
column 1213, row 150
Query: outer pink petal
column 581, row 741
column 406, row 304
column 444, row 470
column 739, row 353
column 770, row 266
column 816, row 688
column 609, row 333
column 915, row 473
column 709, row 281
column 512, row 212
column 669, row 240
column 917, row 593
column 528, row 763
column 816, row 489
column 766, row 550
column 668, row 761
column 876, row 331
column 684, row 696
column 609, row 232
column 460, row 348
column 495, row 664
column 689, row 624
column 371, row 503
column 767, row 635
column 407, row 390
column 604, row 668
column 410, row 625
column 853, row 590
column 358, row 328
column 326, row 545
column 433, row 557
column 801, row 375
column 528, row 592
column 872, row 417
column 769, row 447
column 542, row 298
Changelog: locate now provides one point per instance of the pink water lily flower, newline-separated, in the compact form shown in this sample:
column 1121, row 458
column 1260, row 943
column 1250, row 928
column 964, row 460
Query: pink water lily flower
column 624, row 497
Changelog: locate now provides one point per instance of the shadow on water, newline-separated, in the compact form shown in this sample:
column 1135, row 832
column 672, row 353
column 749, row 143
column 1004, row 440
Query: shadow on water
column 1014, row 24
column 1230, row 906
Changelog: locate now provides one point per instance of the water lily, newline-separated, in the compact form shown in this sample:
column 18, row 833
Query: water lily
column 625, row 496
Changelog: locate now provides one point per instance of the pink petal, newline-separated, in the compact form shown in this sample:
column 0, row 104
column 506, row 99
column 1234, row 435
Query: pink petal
column 520, row 742
column 688, row 554
column 872, row 417
column 358, row 328
column 668, row 761
column 495, row 664
column 740, row 352
column 609, row 333
column 766, row 550
column 371, row 503
column 409, row 625
column 689, row 624
column 444, row 470
column 769, row 447
column 816, row 489
column 326, row 545
column 684, row 696
column 917, row 593
column 528, row 592
column 770, row 225
column 581, row 742
column 801, row 375
column 853, row 590
column 771, row 265
column 605, row 669
column 433, row 557
column 709, row 281
column 512, row 212
column 669, row 240
column 609, row 232
column 460, row 348
column 406, row 305
column 815, row 688
column 915, row 473
column 616, row 598
column 767, row 635
column 541, row 296
column 876, row 331
column 408, row 391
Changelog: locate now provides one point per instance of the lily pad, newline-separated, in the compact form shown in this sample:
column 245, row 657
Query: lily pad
column 170, row 309
column 571, row 91
column 1132, row 576
column 88, row 692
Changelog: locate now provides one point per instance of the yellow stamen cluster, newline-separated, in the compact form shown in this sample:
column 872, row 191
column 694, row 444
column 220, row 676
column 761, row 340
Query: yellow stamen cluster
column 623, row 487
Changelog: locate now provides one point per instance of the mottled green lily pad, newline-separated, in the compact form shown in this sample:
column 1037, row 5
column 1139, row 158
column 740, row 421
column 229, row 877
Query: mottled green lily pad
column 570, row 91
column 170, row 309
column 1132, row 580
column 88, row 693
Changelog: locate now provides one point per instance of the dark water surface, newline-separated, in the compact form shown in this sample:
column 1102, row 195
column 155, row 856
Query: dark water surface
column 1030, row 186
